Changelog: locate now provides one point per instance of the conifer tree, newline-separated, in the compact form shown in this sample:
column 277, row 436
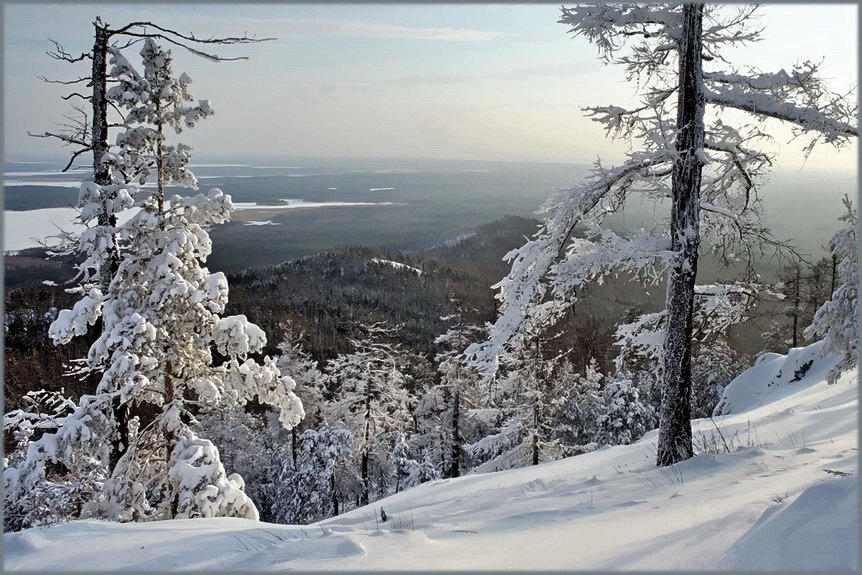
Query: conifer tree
column 577, row 407
column 161, row 319
column 456, row 377
column 371, row 400
column 310, row 489
column 837, row 319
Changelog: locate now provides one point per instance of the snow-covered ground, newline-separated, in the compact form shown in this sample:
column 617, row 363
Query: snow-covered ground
column 775, row 487
column 396, row 265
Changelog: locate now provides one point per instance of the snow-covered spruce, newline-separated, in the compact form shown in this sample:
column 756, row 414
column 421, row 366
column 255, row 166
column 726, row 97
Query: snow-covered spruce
column 310, row 488
column 535, row 410
column 440, row 409
column 161, row 315
column 370, row 399
column 837, row 319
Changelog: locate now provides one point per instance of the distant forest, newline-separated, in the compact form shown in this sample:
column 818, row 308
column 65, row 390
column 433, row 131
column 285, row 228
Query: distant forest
column 325, row 297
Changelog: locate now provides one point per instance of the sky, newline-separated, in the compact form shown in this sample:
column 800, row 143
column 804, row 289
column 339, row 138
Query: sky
column 492, row 82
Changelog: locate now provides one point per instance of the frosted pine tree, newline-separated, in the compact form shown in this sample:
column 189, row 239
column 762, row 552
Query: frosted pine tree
column 161, row 319
column 716, row 309
column 578, row 407
column 66, row 486
column 103, row 193
column 714, row 365
column 502, row 423
column 516, row 422
column 445, row 402
column 311, row 382
column 310, row 489
column 837, row 319
column 372, row 401
column 249, row 438
column 709, row 171
column 627, row 417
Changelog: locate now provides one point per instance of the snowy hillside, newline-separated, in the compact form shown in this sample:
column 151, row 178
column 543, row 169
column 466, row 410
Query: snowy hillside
column 775, row 487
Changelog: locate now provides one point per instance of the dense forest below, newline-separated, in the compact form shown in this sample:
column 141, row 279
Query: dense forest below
column 323, row 297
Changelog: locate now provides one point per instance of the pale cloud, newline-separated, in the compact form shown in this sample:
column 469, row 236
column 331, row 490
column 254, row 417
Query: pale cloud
column 326, row 27
column 569, row 69
column 535, row 44
column 282, row 27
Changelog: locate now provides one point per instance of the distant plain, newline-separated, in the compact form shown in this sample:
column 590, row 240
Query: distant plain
column 408, row 204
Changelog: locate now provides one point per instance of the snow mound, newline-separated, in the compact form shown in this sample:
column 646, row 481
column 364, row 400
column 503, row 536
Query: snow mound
column 775, row 376
column 809, row 534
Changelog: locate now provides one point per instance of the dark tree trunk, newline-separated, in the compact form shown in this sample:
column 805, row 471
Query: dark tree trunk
column 455, row 454
column 537, row 414
column 535, row 447
column 101, row 172
column 364, row 496
column 170, row 437
column 674, row 443
column 334, row 494
column 102, row 177
column 796, row 302
column 121, row 440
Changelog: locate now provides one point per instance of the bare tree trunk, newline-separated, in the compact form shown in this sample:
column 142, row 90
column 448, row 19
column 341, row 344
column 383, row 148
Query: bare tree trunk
column 334, row 494
column 796, row 302
column 106, row 220
column 101, row 173
column 674, row 442
column 455, row 453
column 537, row 419
column 365, row 490
column 364, row 496
column 170, row 438
column 457, row 441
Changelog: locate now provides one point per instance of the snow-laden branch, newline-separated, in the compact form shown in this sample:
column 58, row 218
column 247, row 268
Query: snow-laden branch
column 609, row 25
column 720, row 30
column 658, row 26
column 719, row 210
column 622, row 122
column 798, row 97
column 602, row 253
column 808, row 119
column 717, row 308
column 534, row 263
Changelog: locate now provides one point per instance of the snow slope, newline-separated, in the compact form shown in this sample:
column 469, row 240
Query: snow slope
column 775, row 487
